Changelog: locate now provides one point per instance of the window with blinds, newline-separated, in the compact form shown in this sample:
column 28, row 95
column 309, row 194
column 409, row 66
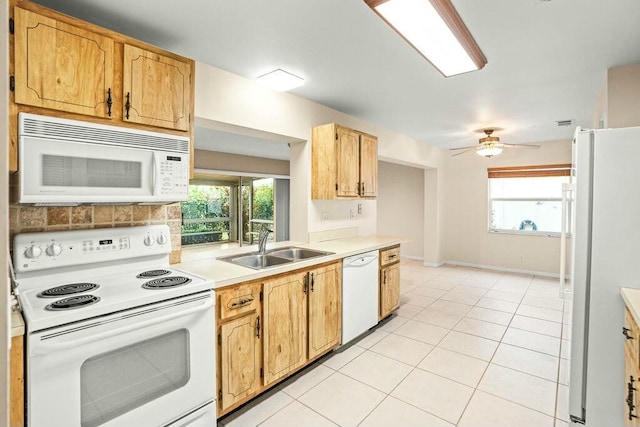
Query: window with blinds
column 527, row 199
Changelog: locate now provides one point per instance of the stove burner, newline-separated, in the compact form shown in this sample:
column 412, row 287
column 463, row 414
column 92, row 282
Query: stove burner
column 153, row 273
column 77, row 301
column 69, row 289
column 166, row 282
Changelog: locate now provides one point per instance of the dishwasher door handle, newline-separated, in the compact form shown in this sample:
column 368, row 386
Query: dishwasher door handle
column 360, row 261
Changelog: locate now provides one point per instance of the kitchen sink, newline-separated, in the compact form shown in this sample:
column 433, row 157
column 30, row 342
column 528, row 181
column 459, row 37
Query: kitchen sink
column 274, row 257
column 298, row 253
column 257, row 261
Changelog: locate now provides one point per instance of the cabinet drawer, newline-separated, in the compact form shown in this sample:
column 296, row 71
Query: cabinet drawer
column 239, row 300
column 387, row 256
column 632, row 345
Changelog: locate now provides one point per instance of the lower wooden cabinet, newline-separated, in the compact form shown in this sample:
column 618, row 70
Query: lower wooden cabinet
column 240, row 359
column 16, row 386
column 631, row 371
column 285, row 325
column 271, row 328
column 389, row 281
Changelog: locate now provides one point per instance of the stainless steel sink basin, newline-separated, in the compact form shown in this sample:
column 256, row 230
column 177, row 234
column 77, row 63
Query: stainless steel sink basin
column 298, row 253
column 257, row 261
column 274, row 257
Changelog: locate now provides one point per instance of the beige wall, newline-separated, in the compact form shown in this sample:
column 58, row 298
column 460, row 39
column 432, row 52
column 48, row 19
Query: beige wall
column 401, row 206
column 618, row 104
column 214, row 160
column 465, row 238
column 228, row 99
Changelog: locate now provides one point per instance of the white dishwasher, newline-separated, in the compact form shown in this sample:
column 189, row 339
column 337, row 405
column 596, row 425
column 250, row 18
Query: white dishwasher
column 359, row 294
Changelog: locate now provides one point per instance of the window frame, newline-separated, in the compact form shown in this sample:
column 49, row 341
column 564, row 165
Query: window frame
column 533, row 171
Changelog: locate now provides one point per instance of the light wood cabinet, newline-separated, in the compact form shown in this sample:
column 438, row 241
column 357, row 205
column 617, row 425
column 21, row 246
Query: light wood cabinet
column 285, row 325
column 239, row 345
column 16, row 386
column 632, row 371
column 156, row 89
column 61, row 66
column 389, row 281
column 64, row 67
column 325, row 309
column 344, row 163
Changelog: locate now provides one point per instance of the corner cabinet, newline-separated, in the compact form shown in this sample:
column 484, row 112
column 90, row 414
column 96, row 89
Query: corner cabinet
column 271, row 328
column 389, row 281
column 631, row 332
column 344, row 163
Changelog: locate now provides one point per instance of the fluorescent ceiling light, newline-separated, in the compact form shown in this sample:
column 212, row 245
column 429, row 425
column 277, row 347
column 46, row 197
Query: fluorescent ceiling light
column 433, row 28
column 281, row 80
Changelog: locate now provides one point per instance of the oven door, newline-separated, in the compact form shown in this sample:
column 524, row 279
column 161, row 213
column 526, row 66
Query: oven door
column 148, row 366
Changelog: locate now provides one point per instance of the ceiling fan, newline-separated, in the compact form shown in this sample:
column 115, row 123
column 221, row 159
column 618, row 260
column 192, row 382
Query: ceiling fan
column 490, row 146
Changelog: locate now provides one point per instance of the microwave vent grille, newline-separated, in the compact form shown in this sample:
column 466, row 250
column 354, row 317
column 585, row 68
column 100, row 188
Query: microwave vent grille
column 72, row 130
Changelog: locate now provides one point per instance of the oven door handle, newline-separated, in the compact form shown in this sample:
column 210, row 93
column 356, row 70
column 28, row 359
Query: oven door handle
column 47, row 347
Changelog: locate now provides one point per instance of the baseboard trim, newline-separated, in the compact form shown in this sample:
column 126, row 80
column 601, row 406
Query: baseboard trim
column 412, row 257
column 498, row 268
column 433, row 265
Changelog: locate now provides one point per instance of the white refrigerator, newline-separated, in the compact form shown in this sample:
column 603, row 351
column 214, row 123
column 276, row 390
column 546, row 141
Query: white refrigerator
column 606, row 257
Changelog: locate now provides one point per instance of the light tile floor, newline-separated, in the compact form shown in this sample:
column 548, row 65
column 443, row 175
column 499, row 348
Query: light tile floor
column 467, row 348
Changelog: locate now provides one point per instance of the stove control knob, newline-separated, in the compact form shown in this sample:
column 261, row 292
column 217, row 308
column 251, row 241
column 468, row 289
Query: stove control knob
column 162, row 239
column 33, row 252
column 148, row 241
column 54, row 249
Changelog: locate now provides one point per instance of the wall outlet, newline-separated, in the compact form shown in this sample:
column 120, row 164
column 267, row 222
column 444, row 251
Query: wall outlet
column 352, row 213
column 359, row 208
column 325, row 216
column 521, row 258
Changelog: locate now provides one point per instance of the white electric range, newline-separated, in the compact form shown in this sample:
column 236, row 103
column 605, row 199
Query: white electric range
column 115, row 335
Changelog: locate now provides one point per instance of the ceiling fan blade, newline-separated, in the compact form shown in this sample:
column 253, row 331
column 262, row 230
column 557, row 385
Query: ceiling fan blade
column 461, row 152
column 521, row 145
column 463, row 148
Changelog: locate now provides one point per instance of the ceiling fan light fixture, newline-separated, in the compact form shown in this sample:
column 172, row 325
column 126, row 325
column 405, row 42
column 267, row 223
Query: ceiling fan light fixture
column 280, row 80
column 489, row 149
column 435, row 30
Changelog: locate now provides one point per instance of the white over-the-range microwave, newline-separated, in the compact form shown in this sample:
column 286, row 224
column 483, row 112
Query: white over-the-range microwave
column 70, row 162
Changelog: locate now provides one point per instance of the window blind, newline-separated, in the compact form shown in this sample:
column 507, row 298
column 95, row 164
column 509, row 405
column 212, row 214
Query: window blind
column 563, row 169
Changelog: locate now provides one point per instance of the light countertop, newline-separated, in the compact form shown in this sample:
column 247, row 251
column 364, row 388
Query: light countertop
column 632, row 300
column 203, row 262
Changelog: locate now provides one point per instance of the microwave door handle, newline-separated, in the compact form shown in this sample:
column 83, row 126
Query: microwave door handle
column 48, row 347
column 154, row 169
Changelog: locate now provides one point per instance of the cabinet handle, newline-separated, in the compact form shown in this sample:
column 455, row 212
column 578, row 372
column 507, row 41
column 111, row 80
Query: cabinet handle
column 304, row 283
column 127, row 105
column 630, row 400
column 258, row 327
column 362, row 189
column 393, row 256
column 312, row 282
column 242, row 302
column 384, row 277
column 625, row 332
column 109, row 102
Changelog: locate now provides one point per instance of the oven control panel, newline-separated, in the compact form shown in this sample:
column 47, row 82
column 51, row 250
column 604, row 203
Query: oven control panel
column 37, row 251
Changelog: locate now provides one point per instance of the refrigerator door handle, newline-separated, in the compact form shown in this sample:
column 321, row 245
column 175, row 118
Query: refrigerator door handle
column 565, row 226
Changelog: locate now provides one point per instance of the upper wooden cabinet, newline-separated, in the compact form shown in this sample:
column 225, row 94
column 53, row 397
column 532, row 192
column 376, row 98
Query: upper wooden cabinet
column 62, row 67
column 156, row 89
column 344, row 163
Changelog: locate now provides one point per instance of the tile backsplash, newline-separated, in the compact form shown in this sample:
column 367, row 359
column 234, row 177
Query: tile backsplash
column 29, row 219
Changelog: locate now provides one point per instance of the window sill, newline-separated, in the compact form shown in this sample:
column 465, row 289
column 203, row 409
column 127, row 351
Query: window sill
column 527, row 233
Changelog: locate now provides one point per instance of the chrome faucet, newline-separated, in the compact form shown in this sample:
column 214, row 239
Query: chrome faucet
column 262, row 237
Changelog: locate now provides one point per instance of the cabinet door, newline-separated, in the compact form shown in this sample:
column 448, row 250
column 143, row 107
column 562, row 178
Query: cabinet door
column 285, row 325
column 156, row 89
column 389, row 289
column 368, row 166
column 631, row 371
column 348, row 159
column 240, row 359
column 16, row 386
column 325, row 309
column 62, row 67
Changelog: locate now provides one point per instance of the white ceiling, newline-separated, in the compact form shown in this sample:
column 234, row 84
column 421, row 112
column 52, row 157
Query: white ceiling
column 547, row 59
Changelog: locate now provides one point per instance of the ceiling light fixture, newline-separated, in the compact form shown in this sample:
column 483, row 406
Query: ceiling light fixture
column 435, row 30
column 281, row 80
column 489, row 145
